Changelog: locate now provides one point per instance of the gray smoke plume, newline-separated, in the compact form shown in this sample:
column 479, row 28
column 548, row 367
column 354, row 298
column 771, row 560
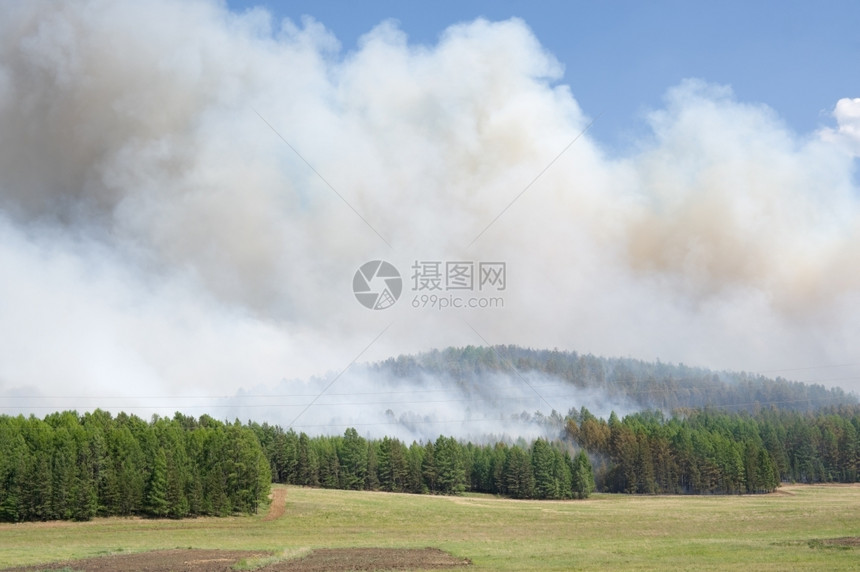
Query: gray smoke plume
column 179, row 189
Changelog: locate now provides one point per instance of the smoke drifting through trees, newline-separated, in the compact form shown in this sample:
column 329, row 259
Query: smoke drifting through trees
column 505, row 392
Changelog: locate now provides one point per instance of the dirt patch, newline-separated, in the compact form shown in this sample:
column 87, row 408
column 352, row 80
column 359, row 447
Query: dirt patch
column 278, row 506
column 323, row 559
column 185, row 560
column 345, row 559
column 843, row 542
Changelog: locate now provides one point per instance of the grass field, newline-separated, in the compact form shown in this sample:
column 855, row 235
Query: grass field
column 790, row 529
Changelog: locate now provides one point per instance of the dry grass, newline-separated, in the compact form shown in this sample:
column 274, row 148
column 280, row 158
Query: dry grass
column 796, row 529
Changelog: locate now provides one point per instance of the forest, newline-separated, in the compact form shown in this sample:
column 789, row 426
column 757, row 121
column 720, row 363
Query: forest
column 541, row 470
column 71, row 466
column 75, row 467
column 692, row 452
column 696, row 432
column 706, row 451
column 643, row 385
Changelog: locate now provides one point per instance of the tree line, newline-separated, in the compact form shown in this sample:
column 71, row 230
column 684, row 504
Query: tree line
column 706, row 451
column 70, row 466
column 74, row 467
column 541, row 470
column 647, row 385
column 691, row 452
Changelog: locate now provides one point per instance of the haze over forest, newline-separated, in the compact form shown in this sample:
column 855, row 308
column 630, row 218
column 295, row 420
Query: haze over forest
column 508, row 392
column 162, row 248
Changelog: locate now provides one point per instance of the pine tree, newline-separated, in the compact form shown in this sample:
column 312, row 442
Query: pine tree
column 36, row 498
column 499, row 463
column 307, row 467
column 291, row 458
column 414, row 465
column 519, row 477
column 582, row 476
column 563, row 474
column 450, row 472
column 767, row 475
column 371, row 479
column 546, row 485
column 428, row 467
column 646, row 483
column 331, row 475
column 13, row 461
column 129, row 468
column 156, row 488
column 352, row 453
column 64, row 475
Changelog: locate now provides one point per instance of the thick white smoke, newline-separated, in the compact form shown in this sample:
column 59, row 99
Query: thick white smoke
column 847, row 133
column 493, row 406
column 159, row 238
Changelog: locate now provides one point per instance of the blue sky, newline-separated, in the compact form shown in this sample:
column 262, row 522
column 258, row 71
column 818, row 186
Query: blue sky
column 620, row 57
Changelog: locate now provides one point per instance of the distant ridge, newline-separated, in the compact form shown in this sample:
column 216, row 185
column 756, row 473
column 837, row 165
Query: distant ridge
column 649, row 385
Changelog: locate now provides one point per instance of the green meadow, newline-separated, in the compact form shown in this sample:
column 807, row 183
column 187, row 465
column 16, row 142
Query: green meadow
column 795, row 528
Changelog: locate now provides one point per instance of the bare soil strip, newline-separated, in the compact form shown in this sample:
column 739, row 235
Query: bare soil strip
column 185, row 560
column 278, row 506
column 321, row 560
column 843, row 542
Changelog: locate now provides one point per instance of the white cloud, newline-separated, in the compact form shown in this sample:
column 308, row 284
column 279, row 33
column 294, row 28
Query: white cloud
column 847, row 133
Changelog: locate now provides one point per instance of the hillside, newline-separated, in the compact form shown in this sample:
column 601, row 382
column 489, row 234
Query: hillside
column 636, row 383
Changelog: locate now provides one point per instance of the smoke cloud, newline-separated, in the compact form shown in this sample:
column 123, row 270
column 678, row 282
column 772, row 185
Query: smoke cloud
column 847, row 114
column 186, row 194
column 488, row 407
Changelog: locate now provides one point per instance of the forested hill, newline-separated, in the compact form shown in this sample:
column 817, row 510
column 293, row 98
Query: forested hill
column 647, row 385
